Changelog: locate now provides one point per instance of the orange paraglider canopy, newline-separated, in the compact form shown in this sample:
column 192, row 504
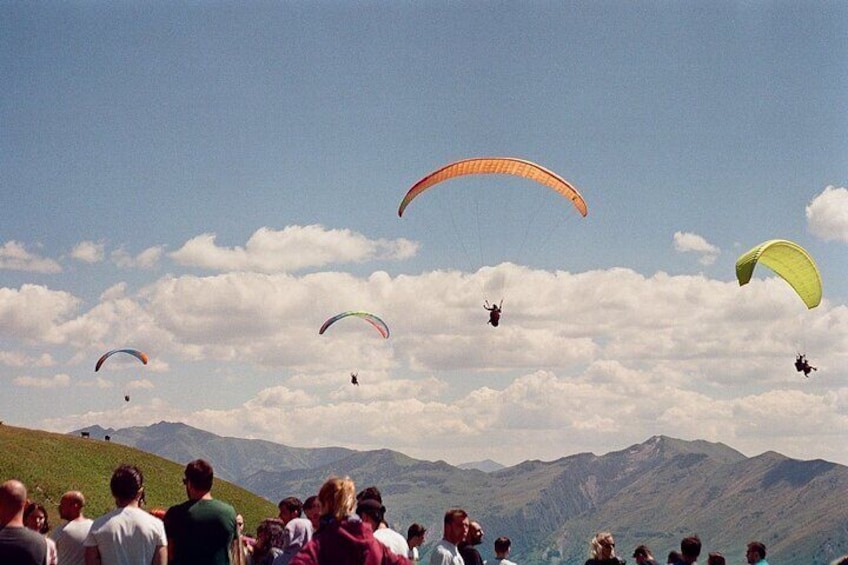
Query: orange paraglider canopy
column 497, row 165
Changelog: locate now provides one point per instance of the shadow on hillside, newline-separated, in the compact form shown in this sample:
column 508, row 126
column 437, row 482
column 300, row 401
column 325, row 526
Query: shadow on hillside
column 796, row 473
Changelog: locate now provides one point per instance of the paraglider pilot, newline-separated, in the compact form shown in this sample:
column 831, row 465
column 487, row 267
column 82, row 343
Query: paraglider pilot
column 353, row 379
column 801, row 364
column 494, row 312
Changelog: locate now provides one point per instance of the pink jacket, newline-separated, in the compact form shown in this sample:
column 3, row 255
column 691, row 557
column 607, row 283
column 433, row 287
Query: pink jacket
column 350, row 542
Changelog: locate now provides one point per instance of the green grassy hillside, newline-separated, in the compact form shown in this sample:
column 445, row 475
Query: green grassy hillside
column 50, row 464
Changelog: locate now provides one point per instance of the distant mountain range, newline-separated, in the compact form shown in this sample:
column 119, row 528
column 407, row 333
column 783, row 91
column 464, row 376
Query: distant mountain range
column 486, row 465
column 656, row 493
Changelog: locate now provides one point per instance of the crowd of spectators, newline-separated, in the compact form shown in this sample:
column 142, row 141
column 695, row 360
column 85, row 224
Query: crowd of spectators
column 337, row 526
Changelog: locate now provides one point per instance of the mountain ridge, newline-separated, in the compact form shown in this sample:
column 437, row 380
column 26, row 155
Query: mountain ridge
column 485, row 465
column 655, row 492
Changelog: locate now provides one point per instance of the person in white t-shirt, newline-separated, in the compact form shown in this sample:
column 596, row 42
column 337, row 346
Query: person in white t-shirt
column 127, row 535
column 415, row 538
column 70, row 536
column 446, row 551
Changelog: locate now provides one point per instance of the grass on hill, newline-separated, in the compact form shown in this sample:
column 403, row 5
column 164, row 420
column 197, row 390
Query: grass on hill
column 49, row 464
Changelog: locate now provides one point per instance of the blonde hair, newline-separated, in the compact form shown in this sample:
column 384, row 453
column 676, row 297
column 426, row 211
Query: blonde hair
column 600, row 540
column 337, row 497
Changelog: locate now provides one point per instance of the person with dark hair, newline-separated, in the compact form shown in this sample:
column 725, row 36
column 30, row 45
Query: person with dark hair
column 370, row 493
column 70, row 536
column 127, row 535
column 312, row 511
column 35, row 517
column 270, row 541
column 18, row 544
column 199, row 474
column 502, row 546
column 690, row 549
column 716, row 558
column 456, row 526
column 289, row 508
column 373, row 513
column 673, row 557
column 343, row 538
column 299, row 530
column 371, row 510
column 644, row 556
column 200, row 530
column 467, row 547
column 37, row 520
column 756, row 553
column 414, row 539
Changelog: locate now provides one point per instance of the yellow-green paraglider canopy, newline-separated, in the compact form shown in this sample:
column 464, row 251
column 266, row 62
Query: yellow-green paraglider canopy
column 790, row 261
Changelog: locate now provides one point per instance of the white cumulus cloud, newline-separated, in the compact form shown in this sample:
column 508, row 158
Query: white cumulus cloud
column 827, row 215
column 15, row 257
column 34, row 313
column 89, row 252
column 588, row 361
column 686, row 242
column 291, row 249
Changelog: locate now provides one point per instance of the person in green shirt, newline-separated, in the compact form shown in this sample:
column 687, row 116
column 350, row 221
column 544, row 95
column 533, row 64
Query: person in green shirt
column 201, row 529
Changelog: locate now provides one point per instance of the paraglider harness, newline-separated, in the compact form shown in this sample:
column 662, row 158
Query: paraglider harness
column 802, row 365
column 494, row 312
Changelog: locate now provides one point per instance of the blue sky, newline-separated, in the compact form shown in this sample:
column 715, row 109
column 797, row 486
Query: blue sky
column 209, row 181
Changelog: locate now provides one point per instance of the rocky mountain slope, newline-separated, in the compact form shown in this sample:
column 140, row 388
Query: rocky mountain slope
column 655, row 492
